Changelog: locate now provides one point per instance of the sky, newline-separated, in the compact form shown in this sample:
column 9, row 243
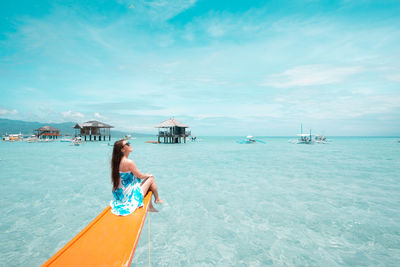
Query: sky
column 258, row 68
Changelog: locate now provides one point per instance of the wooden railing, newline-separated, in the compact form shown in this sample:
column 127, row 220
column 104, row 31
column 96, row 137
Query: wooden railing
column 172, row 135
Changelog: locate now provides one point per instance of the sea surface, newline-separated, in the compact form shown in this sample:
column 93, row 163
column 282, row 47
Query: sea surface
column 227, row 204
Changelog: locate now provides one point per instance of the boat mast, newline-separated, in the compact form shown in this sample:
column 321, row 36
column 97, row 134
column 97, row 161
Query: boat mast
column 301, row 132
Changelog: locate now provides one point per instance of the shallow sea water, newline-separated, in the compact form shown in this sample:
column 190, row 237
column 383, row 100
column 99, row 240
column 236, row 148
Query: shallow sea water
column 228, row 204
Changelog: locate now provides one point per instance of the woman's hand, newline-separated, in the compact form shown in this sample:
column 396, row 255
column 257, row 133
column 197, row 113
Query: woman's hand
column 148, row 175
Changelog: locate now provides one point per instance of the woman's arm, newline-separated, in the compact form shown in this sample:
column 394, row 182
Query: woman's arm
column 132, row 167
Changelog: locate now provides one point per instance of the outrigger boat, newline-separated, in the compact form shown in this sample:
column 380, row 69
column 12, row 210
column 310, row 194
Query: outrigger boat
column 250, row 140
column 304, row 138
column 320, row 139
column 32, row 139
column 129, row 137
column 109, row 240
column 13, row 137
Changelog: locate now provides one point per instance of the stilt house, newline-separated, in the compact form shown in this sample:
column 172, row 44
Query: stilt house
column 172, row 131
column 47, row 132
column 93, row 129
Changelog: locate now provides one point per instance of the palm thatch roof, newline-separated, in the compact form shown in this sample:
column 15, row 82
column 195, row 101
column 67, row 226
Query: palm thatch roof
column 171, row 123
column 92, row 124
column 47, row 128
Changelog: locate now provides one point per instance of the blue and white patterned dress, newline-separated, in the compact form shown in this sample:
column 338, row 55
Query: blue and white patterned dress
column 128, row 196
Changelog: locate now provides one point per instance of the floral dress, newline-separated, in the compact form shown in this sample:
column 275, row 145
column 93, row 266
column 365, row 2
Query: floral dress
column 128, row 196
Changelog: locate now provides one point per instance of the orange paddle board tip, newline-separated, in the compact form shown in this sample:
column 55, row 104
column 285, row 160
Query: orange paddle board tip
column 108, row 240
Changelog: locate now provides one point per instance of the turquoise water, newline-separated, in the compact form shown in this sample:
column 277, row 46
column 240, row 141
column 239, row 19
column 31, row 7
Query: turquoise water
column 227, row 204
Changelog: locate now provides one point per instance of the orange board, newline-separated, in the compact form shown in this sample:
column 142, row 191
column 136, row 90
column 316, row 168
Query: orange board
column 109, row 240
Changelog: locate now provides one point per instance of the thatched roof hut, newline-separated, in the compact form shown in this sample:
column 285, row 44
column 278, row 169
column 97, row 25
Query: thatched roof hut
column 172, row 131
column 171, row 123
column 47, row 132
column 92, row 124
column 96, row 129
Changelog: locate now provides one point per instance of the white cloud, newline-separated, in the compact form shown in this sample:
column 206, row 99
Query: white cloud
column 97, row 115
column 72, row 115
column 393, row 77
column 216, row 30
column 207, row 116
column 8, row 112
column 362, row 91
column 308, row 75
column 337, row 107
column 160, row 10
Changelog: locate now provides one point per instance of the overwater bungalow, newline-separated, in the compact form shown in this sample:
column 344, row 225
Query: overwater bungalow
column 172, row 131
column 47, row 132
column 97, row 130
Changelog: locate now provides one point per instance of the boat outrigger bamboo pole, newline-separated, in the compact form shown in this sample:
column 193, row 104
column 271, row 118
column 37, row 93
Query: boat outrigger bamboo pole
column 109, row 240
column 302, row 139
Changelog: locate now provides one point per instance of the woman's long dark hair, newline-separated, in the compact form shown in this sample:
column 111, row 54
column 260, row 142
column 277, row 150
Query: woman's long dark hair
column 115, row 162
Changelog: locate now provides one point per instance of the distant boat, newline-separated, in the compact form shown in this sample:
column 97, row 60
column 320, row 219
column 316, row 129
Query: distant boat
column 129, row 137
column 31, row 139
column 320, row 139
column 250, row 140
column 12, row 137
column 304, row 138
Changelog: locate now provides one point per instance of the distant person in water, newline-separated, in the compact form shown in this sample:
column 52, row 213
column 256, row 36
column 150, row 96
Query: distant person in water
column 129, row 184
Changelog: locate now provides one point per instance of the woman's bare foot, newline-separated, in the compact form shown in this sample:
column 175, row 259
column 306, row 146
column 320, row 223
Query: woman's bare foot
column 158, row 201
column 152, row 209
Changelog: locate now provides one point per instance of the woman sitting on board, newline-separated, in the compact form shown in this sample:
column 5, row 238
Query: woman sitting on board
column 129, row 184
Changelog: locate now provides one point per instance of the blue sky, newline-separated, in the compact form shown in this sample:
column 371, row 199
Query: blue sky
column 223, row 67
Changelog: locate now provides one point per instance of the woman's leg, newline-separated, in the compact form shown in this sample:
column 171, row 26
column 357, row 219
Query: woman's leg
column 150, row 184
column 146, row 185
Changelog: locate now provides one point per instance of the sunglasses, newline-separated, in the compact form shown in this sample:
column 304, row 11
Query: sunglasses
column 127, row 144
